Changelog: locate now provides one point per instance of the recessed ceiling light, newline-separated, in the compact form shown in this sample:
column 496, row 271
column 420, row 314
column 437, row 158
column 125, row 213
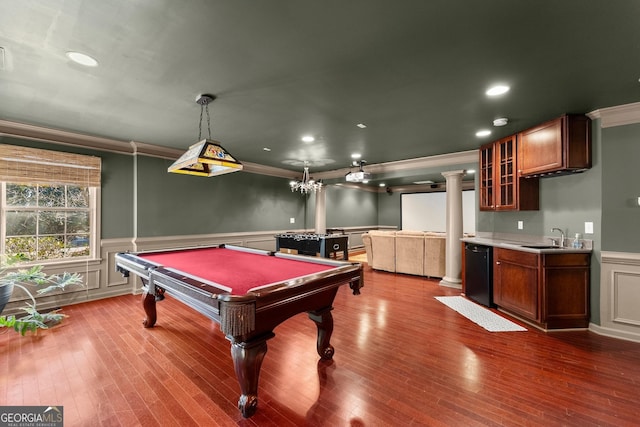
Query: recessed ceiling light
column 471, row 171
column 497, row 90
column 502, row 121
column 365, row 181
column 266, row 149
column 483, row 133
column 356, row 155
column 428, row 181
column 361, row 125
column 308, row 138
column 382, row 184
column 82, row 59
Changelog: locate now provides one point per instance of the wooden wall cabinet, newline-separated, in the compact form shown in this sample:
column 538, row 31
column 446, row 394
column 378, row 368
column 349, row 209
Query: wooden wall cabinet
column 550, row 290
column 501, row 187
column 559, row 146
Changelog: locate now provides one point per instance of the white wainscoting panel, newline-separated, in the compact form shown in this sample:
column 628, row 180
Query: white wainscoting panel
column 620, row 296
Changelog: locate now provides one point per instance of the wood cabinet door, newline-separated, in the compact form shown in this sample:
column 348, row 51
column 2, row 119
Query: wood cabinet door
column 541, row 148
column 565, row 291
column 515, row 282
column 506, row 177
column 557, row 146
column 486, row 199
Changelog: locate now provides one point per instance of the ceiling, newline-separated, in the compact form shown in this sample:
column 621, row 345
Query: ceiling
column 414, row 72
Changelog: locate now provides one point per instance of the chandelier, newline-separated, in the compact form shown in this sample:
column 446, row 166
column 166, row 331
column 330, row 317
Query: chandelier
column 206, row 157
column 306, row 185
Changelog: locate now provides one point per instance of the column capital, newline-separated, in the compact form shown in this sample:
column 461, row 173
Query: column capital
column 448, row 174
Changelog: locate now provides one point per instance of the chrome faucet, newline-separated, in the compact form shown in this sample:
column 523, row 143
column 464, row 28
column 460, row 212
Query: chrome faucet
column 562, row 236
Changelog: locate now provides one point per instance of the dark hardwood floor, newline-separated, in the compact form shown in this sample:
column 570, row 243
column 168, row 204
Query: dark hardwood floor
column 402, row 359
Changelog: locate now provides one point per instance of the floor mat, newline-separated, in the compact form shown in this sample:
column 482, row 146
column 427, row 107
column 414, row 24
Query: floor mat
column 484, row 317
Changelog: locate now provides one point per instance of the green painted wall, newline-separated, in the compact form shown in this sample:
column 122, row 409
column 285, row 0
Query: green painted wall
column 349, row 207
column 621, row 189
column 174, row 204
column 117, row 196
column 389, row 209
column 346, row 207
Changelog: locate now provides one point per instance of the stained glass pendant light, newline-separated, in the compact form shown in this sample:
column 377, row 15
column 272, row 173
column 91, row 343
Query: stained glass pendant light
column 206, row 157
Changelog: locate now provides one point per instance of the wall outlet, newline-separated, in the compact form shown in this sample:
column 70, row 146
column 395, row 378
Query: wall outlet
column 588, row 227
column 520, row 225
column 292, row 220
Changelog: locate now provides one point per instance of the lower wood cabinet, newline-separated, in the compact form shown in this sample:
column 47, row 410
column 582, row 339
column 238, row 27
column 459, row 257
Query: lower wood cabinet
column 551, row 290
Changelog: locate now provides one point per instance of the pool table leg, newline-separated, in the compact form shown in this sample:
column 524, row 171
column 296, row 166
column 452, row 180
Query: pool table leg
column 324, row 321
column 149, row 305
column 247, row 360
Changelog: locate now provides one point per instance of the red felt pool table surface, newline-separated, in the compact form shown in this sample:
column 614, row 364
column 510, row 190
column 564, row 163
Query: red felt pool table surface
column 237, row 270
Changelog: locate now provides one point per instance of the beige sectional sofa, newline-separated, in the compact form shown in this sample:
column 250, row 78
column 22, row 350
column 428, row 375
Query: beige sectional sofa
column 406, row 251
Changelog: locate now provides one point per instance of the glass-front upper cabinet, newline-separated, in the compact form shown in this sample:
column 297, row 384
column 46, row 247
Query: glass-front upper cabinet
column 501, row 187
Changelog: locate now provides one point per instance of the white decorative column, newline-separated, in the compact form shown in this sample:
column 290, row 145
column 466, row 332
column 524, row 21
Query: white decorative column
column 321, row 211
column 453, row 257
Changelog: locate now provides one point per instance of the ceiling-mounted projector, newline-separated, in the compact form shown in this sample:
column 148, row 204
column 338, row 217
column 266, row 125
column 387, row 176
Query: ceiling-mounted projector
column 358, row 176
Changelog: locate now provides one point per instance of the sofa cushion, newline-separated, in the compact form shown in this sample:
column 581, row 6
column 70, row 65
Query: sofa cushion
column 383, row 250
column 410, row 252
column 434, row 256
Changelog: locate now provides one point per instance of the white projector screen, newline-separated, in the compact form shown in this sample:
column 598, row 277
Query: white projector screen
column 428, row 211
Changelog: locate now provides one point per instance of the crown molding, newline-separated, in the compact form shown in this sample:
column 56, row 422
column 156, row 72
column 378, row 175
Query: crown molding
column 151, row 150
column 450, row 159
column 270, row 170
column 39, row 133
column 619, row 115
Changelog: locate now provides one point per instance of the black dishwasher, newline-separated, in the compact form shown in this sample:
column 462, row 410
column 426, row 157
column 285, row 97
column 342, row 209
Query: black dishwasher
column 478, row 273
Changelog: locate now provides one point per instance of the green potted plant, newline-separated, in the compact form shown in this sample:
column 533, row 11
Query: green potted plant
column 32, row 276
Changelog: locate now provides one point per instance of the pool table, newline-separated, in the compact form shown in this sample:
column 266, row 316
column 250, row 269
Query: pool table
column 248, row 292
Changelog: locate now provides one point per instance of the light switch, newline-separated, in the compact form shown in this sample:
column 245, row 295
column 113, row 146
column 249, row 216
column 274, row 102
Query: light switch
column 292, row 220
column 520, row 225
column 588, row 227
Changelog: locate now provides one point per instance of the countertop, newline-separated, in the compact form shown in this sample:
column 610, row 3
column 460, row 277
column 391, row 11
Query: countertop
column 526, row 245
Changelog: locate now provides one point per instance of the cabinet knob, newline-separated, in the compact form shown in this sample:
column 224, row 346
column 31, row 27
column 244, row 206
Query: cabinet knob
column 497, row 262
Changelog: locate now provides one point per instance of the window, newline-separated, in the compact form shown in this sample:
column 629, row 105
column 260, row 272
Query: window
column 49, row 204
column 46, row 222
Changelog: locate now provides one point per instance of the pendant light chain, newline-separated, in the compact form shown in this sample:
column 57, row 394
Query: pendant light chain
column 204, row 105
column 208, row 119
column 200, row 123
